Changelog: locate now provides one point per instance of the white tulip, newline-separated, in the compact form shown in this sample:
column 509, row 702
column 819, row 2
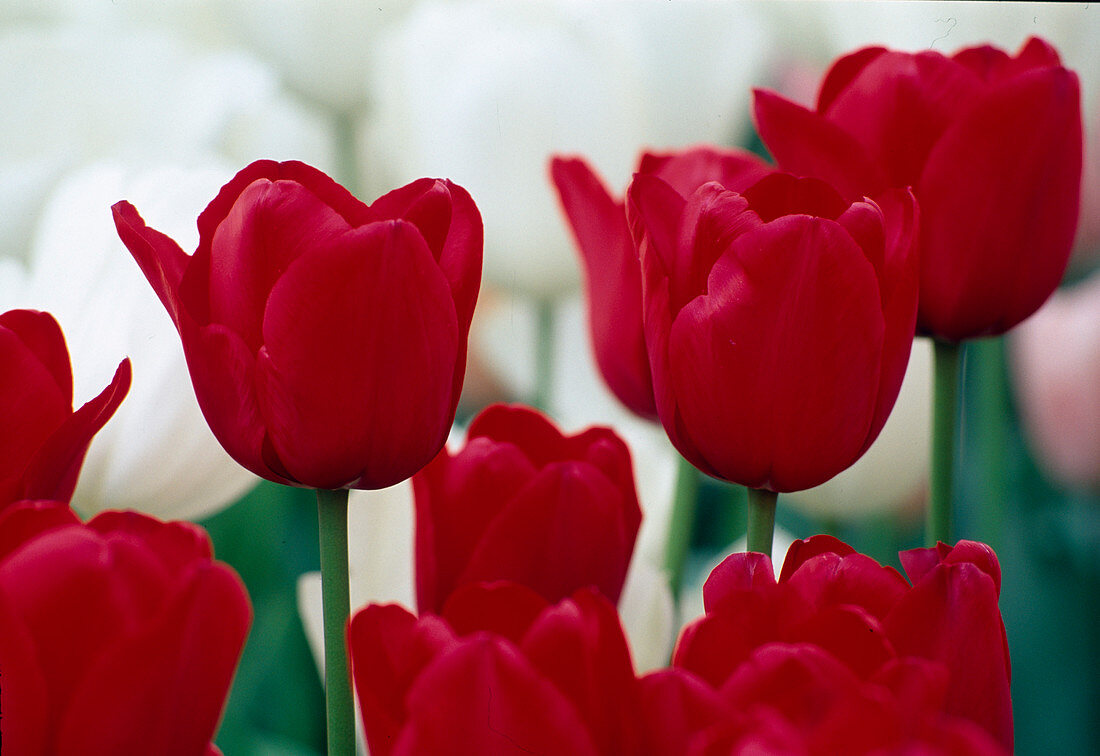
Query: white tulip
column 156, row 454
column 485, row 92
column 893, row 474
column 72, row 95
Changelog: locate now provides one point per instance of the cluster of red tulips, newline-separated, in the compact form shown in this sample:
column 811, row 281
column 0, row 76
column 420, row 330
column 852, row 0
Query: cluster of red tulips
column 762, row 314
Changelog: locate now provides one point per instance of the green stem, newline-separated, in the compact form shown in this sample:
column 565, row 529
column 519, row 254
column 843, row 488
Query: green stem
column 986, row 359
column 681, row 524
column 761, row 524
column 332, row 514
column 346, row 152
column 544, row 354
column 945, row 400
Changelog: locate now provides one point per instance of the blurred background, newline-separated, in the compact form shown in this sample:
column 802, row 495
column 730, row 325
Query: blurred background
column 161, row 102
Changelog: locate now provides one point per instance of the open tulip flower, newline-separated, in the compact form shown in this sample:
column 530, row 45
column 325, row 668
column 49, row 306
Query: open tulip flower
column 500, row 671
column 523, row 502
column 42, row 441
column 119, row 636
column 326, row 339
column 839, row 617
column 778, row 322
column 613, row 278
column 991, row 145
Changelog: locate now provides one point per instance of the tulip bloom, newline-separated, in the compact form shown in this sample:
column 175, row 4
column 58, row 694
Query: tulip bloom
column 43, row 442
column 613, row 278
column 943, row 633
column 990, row 144
column 120, row 636
column 501, row 671
column 523, row 502
column 326, row 339
column 778, row 322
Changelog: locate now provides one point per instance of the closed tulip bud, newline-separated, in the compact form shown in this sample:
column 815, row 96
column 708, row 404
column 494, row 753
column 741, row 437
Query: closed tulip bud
column 991, row 145
column 325, row 338
column 778, row 322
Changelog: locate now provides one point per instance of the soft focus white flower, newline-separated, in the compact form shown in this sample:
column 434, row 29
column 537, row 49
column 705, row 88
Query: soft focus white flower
column 324, row 49
column 893, row 474
column 485, row 92
column 70, row 95
column 1055, row 356
column 156, row 454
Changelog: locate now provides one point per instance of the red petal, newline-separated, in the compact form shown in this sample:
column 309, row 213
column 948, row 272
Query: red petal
column 388, row 649
column 130, row 700
column 42, row 337
column 359, row 392
column 613, row 282
column 803, row 550
column 951, row 616
column 768, row 349
column 21, row 521
column 805, row 143
column 160, row 259
column 501, row 608
column 676, row 705
column 738, row 573
column 999, row 202
column 53, row 471
column 484, row 699
column 830, row 580
column 898, row 106
column 456, row 498
column 841, row 74
column 687, row 170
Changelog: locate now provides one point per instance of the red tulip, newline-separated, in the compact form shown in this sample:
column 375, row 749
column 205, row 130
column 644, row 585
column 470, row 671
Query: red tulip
column 991, row 145
column 612, row 271
column 523, row 502
column 117, row 637
column 326, row 339
column 778, row 322
column 500, row 672
column 938, row 646
column 43, row 442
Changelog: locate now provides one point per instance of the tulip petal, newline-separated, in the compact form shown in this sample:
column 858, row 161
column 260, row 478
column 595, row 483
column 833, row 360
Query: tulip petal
column 26, row 722
column 32, row 404
column 223, row 373
column 768, row 352
column 484, row 699
column 841, row 73
column 613, row 282
column 924, row 92
column 687, row 170
column 328, row 403
column 676, row 706
column 130, row 700
column 579, row 646
column 388, row 649
column 951, row 616
column 270, row 226
column 562, row 530
column 42, row 336
column 740, row 572
column 53, row 471
column 159, row 257
column 456, row 497
column 806, row 143
column 502, row 608
column 22, row 520
column 803, row 550
column 999, row 197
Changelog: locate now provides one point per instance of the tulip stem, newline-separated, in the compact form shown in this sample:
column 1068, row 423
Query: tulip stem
column 681, row 524
column 761, row 524
column 946, row 363
column 544, row 354
column 332, row 514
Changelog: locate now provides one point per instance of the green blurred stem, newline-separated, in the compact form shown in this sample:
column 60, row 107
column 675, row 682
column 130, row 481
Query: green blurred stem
column 681, row 525
column 332, row 515
column 945, row 401
column 761, row 524
column 344, row 146
column 544, row 353
column 985, row 360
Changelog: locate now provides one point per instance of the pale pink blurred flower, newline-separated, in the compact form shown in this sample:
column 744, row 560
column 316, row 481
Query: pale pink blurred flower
column 1056, row 366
